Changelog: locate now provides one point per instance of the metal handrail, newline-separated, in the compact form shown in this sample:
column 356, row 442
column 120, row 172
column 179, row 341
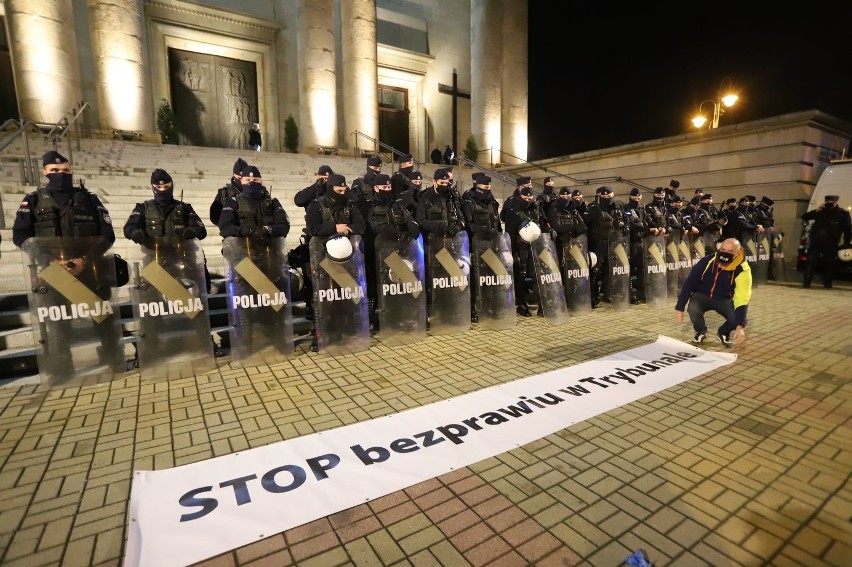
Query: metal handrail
column 28, row 171
column 611, row 179
column 390, row 149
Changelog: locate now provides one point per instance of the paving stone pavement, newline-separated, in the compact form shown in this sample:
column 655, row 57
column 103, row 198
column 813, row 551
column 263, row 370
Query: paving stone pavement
column 747, row 465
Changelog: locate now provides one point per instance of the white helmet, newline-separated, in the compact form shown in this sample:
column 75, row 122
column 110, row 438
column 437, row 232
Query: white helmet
column 845, row 254
column 392, row 276
column 593, row 259
column 339, row 248
column 464, row 264
column 529, row 232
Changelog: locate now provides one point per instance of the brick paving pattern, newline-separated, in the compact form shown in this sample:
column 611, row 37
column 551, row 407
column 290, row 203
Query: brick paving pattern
column 749, row 465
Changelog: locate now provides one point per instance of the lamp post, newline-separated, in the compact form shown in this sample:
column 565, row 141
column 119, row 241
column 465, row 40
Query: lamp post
column 724, row 98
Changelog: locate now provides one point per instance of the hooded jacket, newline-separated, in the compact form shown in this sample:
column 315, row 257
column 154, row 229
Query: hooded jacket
column 720, row 281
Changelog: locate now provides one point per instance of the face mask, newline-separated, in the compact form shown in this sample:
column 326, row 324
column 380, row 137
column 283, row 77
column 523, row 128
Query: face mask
column 385, row 196
column 60, row 181
column 253, row 189
column 548, row 190
column 408, row 169
column 163, row 197
column 336, row 199
column 605, row 200
column 732, row 207
column 725, row 257
column 442, row 189
column 829, row 205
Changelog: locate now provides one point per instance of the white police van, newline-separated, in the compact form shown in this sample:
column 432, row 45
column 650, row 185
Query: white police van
column 835, row 180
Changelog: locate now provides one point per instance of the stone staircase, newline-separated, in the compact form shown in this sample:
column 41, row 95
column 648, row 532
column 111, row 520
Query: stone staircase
column 119, row 173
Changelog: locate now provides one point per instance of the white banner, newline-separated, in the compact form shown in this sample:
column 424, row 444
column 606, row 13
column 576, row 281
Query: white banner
column 189, row 513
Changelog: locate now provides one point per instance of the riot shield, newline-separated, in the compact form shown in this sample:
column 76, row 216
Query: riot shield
column 169, row 295
column 491, row 259
column 750, row 250
column 776, row 243
column 448, row 280
column 548, row 277
column 619, row 272
column 75, row 322
column 341, row 321
column 672, row 263
column 575, row 275
column 656, row 282
column 260, row 311
column 761, row 266
column 401, row 279
column 685, row 265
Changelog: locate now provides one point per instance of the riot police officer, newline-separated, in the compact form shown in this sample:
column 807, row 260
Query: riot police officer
column 565, row 219
column 736, row 222
column 401, row 180
column 518, row 212
column 254, row 213
column 231, row 189
column 384, row 213
column 364, row 184
column 708, row 222
column 61, row 209
column 579, row 204
column 606, row 221
column 163, row 215
column 637, row 220
column 482, row 216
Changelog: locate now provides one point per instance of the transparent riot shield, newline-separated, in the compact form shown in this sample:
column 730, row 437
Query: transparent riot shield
column 685, row 261
column 656, row 282
column 776, row 244
column 401, row 279
column 672, row 263
column 618, row 266
column 761, row 266
column 341, row 321
column 491, row 258
column 260, row 312
column 75, row 322
column 575, row 275
column 551, row 291
column 448, row 281
column 749, row 243
column 168, row 289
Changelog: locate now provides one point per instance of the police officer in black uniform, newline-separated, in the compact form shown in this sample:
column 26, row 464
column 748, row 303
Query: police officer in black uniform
column 518, row 211
column 232, row 188
column 254, row 213
column 300, row 255
column 163, row 215
column 59, row 209
column 364, row 184
column 565, row 220
column 605, row 218
column 637, row 219
column 579, row 204
column 831, row 222
column 482, row 217
column 545, row 199
column 736, row 222
column 708, row 222
column 334, row 213
column 401, row 180
column 384, row 213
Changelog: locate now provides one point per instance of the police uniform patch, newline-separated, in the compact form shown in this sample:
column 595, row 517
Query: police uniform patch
column 107, row 219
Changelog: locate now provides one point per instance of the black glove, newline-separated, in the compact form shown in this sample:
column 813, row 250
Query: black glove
column 189, row 233
column 138, row 236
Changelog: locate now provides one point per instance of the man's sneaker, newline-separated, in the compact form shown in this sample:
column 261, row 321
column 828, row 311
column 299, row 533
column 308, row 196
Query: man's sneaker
column 699, row 338
column 725, row 340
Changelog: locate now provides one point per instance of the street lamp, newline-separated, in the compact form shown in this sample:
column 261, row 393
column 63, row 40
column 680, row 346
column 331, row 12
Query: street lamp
column 727, row 99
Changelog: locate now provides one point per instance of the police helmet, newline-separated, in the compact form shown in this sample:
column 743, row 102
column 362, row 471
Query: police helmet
column 464, row 265
column 339, row 248
column 593, row 259
column 844, row 253
column 529, row 232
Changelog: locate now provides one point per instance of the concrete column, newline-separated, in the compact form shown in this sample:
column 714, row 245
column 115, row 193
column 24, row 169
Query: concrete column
column 317, row 87
column 360, row 72
column 515, row 79
column 43, row 46
column 119, row 50
column 486, row 51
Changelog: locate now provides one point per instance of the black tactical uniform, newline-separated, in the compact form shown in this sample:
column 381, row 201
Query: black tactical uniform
column 637, row 220
column 706, row 219
column 254, row 213
column 831, row 222
column 401, row 180
column 736, row 222
column 59, row 209
column 481, row 213
column 565, row 220
column 231, row 189
column 516, row 212
column 605, row 219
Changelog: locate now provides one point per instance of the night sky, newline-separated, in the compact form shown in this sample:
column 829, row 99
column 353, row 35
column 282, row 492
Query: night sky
column 600, row 76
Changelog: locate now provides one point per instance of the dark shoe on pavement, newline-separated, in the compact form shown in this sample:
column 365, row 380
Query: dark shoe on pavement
column 699, row 338
column 540, row 312
column 725, row 340
column 524, row 311
column 474, row 318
